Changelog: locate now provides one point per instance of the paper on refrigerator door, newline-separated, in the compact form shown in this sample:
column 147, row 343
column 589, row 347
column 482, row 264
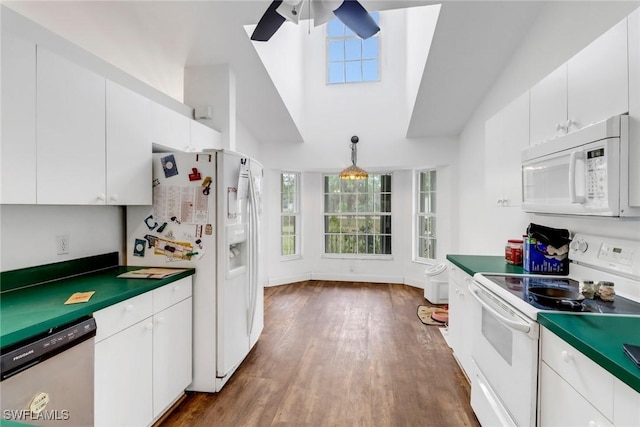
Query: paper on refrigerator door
column 243, row 179
column 186, row 204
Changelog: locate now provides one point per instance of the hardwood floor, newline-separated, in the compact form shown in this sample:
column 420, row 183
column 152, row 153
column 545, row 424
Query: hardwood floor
column 339, row 354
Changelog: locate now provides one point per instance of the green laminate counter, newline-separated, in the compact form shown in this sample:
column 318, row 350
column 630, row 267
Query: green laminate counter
column 600, row 338
column 473, row 264
column 32, row 310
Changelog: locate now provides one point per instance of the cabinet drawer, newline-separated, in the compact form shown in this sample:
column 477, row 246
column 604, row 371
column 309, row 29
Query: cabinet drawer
column 119, row 316
column 585, row 376
column 170, row 294
column 626, row 410
column 457, row 274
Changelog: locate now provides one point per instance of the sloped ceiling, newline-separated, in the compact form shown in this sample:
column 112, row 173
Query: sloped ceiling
column 154, row 41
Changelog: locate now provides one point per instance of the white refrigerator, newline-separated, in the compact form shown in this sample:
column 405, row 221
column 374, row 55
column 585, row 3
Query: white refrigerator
column 206, row 214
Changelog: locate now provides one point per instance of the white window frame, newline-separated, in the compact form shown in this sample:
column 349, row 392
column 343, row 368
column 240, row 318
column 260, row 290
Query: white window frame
column 295, row 213
column 345, row 37
column 429, row 212
column 326, row 214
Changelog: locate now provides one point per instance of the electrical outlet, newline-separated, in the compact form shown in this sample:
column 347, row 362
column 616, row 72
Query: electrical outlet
column 63, row 244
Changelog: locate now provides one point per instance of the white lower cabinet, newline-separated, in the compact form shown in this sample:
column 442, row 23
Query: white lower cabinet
column 575, row 391
column 460, row 318
column 143, row 355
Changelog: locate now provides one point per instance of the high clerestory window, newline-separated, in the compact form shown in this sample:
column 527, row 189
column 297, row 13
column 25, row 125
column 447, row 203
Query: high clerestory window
column 349, row 58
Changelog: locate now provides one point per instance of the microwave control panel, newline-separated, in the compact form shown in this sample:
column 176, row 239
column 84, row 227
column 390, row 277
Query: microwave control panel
column 596, row 174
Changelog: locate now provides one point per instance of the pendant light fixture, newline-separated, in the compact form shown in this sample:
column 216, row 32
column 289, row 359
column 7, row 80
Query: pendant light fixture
column 353, row 171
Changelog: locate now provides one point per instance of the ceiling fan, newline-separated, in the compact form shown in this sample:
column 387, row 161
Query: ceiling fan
column 350, row 12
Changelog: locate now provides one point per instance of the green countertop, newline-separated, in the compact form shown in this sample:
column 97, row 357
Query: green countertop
column 473, row 264
column 32, row 310
column 600, row 338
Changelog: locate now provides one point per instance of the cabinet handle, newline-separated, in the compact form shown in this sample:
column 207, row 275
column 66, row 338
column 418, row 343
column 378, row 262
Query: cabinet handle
column 148, row 326
column 160, row 320
column 176, row 288
column 569, row 124
column 566, row 356
column 593, row 424
column 102, row 197
column 129, row 308
column 114, row 198
column 560, row 127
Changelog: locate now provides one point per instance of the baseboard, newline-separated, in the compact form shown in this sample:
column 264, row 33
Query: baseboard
column 357, row 278
column 412, row 281
column 289, row 279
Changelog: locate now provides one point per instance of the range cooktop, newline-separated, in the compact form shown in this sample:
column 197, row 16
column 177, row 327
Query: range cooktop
column 519, row 286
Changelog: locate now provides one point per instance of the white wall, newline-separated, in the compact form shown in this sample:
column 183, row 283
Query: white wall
column 561, row 30
column 28, row 233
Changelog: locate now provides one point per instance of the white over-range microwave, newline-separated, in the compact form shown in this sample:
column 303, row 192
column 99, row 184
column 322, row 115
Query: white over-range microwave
column 592, row 171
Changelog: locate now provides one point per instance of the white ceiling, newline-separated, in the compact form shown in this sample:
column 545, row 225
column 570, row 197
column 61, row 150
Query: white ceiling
column 155, row 40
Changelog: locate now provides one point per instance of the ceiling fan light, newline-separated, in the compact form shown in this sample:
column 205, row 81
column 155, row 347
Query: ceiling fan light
column 290, row 10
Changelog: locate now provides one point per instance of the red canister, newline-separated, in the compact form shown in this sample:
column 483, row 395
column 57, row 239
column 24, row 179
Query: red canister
column 513, row 252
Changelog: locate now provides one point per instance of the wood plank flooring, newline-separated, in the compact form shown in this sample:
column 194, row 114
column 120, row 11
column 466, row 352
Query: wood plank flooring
column 339, row 354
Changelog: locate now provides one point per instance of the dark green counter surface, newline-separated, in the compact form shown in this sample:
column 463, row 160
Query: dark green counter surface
column 29, row 311
column 473, row 264
column 600, row 338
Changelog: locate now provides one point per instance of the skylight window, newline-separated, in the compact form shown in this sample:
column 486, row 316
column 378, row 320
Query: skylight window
column 349, row 58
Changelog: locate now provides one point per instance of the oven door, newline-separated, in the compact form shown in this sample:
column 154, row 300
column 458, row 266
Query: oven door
column 505, row 351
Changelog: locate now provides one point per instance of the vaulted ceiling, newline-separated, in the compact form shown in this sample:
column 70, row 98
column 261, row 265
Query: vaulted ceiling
column 155, row 40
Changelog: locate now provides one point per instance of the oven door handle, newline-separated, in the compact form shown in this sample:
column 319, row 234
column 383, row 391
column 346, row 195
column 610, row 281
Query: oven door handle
column 522, row 327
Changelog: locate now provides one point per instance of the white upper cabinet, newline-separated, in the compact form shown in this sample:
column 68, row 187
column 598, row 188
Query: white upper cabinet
column 506, row 135
column 634, row 104
column 598, row 82
column 18, row 138
column 170, row 130
column 129, row 163
column 549, row 107
column 70, row 132
column 592, row 86
column 204, row 138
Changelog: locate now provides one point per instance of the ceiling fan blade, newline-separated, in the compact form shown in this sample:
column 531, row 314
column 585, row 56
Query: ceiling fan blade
column 269, row 23
column 357, row 19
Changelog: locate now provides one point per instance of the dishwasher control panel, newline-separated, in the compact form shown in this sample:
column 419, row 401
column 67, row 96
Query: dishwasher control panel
column 29, row 352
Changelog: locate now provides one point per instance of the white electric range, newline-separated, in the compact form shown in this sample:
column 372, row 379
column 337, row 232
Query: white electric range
column 505, row 344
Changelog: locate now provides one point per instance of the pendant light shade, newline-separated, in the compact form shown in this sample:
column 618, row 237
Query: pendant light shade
column 353, row 171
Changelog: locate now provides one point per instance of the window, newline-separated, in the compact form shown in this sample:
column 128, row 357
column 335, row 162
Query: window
column 349, row 58
column 357, row 215
column 290, row 214
column 426, row 215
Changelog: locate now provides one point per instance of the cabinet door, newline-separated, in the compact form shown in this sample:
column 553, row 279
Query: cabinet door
column 172, row 353
column 70, row 132
column 598, row 83
column 129, row 160
column 18, row 130
column 123, row 377
column 460, row 318
column 506, row 135
column 634, row 106
column 169, row 129
column 548, row 100
column 561, row 405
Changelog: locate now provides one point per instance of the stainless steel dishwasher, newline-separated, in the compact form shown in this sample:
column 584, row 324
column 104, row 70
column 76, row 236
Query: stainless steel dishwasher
column 48, row 380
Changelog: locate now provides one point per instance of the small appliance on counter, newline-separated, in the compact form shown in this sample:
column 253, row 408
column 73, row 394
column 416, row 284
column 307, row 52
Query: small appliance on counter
column 546, row 250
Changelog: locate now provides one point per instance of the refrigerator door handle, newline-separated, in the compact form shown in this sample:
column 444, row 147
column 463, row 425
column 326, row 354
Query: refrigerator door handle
column 253, row 254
